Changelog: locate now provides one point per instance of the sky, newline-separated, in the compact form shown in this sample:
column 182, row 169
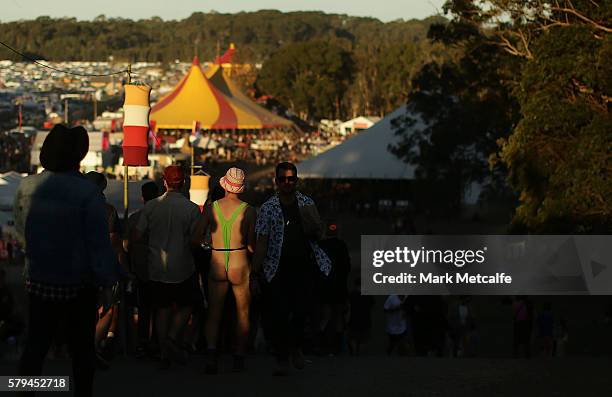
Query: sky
column 385, row 10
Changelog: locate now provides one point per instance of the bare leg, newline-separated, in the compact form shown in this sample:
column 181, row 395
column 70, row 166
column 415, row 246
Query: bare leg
column 179, row 319
column 162, row 319
column 243, row 301
column 114, row 320
column 103, row 325
column 216, row 298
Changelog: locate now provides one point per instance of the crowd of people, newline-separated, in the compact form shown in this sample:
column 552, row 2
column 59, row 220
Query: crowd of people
column 11, row 249
column 265, row 147
column 220, row 278
column 272, row 257
column 435, row 326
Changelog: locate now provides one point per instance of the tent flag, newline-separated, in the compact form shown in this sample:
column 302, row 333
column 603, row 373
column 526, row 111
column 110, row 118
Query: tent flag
column 227, row 57
column 136, row 125
column 153, row 136
column 195, row 130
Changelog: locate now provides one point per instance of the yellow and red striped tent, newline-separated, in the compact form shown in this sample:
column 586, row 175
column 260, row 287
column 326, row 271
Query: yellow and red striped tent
column 222, row 107
column 228, row 88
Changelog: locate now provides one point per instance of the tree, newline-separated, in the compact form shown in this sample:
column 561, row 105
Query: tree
column 559, row 157
column 458, row 109
column 386, row 55
column 556, row 153
column 310, row 78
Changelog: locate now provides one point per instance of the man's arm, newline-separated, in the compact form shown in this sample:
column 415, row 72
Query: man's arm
column 200, row 223
column 141, row 227
column 102, row 257
column 251, row 237
column 262, row 232
column 312, row 223
column 115, row 235
column 261, row 251
column 20, row 209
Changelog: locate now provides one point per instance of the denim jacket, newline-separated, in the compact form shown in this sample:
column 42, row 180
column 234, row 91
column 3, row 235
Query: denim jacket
column 61, row 217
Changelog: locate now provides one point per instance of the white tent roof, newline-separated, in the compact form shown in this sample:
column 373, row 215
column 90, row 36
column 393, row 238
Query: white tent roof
column 364, row 156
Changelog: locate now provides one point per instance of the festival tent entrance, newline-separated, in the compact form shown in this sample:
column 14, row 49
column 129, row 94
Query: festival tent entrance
column 363, row 156
column 197, row 100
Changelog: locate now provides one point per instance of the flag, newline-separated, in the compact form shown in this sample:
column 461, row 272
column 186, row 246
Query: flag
column 195, row 129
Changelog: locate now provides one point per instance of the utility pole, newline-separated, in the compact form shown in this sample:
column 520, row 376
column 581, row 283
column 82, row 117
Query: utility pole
column 125, row 167
column 95, row 107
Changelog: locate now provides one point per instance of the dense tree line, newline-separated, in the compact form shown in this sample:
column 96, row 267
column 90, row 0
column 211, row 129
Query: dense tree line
column 384, row 56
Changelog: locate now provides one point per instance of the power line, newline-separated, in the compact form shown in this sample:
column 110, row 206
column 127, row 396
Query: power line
column 60, row 70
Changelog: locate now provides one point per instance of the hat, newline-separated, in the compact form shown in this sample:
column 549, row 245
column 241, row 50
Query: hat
column 64, row 148
column 233, row 181
column 173, row 175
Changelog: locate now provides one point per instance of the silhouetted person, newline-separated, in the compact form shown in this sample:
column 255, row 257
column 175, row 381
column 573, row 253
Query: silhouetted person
column 333, row 290
column 360, row 319
column 285, row 264
column 108, row 322
column 522, row 312
column 546, row 327
column 61, row 216
column 170, row 222
column 138, row 254
column 396, row 325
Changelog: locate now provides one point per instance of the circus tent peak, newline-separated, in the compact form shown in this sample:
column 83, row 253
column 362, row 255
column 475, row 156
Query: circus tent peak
column 216, row 104
column 227, row 57
column 224, row 83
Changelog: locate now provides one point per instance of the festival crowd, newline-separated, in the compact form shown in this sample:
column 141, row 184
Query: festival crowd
column 220, row 278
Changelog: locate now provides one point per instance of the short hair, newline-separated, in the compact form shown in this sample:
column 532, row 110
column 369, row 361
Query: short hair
column 64, row 148
column 149, row 191
column 285, row 165
column 98, row 179
column 217, row 193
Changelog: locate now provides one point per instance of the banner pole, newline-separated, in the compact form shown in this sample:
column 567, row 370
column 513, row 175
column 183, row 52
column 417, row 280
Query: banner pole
column 125, row 167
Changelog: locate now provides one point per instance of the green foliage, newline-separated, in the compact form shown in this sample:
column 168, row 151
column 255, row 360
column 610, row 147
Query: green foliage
column 258, row 33
column 557, row 152
column 312, row 77
column 560, row 155
column 457, row 111
column 386, row 55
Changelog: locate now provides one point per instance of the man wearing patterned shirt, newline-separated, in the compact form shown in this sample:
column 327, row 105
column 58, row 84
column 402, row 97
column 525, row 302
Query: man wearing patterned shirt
column 287, row 258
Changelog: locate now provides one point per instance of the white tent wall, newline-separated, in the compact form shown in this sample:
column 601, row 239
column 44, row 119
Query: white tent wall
column 363, row 156
column 366, row 156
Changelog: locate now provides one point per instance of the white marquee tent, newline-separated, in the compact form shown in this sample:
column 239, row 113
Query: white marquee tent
column 363, row 156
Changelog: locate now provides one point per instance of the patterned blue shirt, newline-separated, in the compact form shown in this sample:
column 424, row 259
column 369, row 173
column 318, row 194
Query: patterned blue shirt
column 271, row 223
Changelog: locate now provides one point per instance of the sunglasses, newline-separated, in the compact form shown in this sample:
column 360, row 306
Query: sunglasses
column 287, row 179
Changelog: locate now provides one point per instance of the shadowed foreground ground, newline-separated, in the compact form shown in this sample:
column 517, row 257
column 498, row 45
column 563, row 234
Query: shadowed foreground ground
column 364, row 376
